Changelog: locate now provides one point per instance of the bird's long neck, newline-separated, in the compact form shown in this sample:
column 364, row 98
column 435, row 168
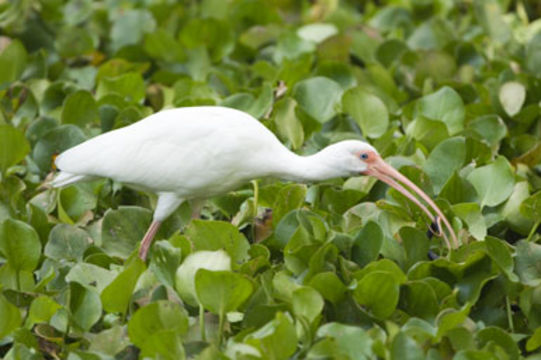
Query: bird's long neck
column 311, row 168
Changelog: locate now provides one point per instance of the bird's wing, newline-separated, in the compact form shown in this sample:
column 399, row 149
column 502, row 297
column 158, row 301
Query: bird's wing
column 181, row 150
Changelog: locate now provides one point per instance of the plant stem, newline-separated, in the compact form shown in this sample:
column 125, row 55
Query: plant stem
column 254, row 215
column 221, row 328
column 532, row 232
column 509, row 315
column 202, row 323
column 18, row 280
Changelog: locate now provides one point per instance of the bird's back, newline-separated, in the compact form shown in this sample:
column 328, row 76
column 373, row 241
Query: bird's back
column 196, row 151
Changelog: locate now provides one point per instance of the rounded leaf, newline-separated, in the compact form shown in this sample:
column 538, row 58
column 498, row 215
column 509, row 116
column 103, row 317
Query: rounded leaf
column 185, row 275
column 10, row 315
column 444, row 105
column 13, row 147
column 307, row 303
column 80, row 109
column 368, row 110
column 512, row 95
column 222, row 291
column 494, row 182
column 318, row 97
column 66, row 242
column 155, row 318
column 20, row 245
column 122, row 229
column 378, row 291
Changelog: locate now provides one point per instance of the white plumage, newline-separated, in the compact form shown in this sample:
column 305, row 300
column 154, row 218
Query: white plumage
column 199, row 152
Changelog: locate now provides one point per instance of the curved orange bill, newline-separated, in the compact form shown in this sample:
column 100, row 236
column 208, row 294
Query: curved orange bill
column 389, row 175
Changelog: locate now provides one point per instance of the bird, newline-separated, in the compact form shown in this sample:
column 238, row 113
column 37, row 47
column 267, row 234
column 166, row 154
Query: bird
column 194, row 153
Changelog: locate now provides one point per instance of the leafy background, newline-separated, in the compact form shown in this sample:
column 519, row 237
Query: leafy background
column 448, row 91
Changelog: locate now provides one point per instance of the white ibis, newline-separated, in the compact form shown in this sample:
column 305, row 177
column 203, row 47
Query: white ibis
column 199, row 152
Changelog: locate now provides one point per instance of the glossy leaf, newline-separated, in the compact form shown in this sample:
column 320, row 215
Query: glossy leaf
column 14, row 147
column 368, row 110
column 221, row 291
column 20, row 245
column 379, row 292
column 444, row 105
column 318, row 97
column 493, row 183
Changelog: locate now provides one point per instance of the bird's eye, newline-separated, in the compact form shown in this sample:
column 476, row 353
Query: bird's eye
column 364, row 156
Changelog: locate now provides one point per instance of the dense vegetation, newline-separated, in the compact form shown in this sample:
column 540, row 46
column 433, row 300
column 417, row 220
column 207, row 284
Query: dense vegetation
column 448, row 91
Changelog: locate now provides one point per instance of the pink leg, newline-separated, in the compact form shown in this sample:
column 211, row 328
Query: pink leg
column 147, row 239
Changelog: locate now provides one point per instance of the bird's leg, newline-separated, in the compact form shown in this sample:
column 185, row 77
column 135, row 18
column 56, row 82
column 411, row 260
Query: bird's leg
column 147, row 239
column 167, row 203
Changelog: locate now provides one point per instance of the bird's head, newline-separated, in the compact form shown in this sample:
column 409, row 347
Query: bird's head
column 359, row 158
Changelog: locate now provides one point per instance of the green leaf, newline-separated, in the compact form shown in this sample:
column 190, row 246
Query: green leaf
column 13, row 61
column 534, row 342
column 215, row 235
column 20, row 245
column 493, row 182
column 500, row 253
column 90, row 275
column 277, row 339
column 429, row 132
column 42, row 309
column 66, row 242
column 109, row 341
column 379, row 292
column 533, row 55
column 416, row 245
column 418, row 299
column 287, row 124
column 367, row 244
column 129, row 86
column 329, row 285
column 80, row 109
column 307, row 303
column 13, row 147
column 449, row 319
column 368, row 110
column 291, row 46
column 54, row 142
column 531, row 207
column 10, row 315
column 348, row 341
column 446, row 158
column 74, row 41
column 446, row 106
column 214, row 34
column 162, row 45
column 84, row 305
column 165, row 262
column 157, row 324
column 222, row 291
column 318, row 97
column 499, row 337
column 129, row 26
column 527, row 260
column 288, row 198
column 123, row 229
column 405, row 348
column 489, row 15
column 185, row 275
column 75, row 202
column 471, row 214
column 117, row 295
column 489, row 127
column 77, row 11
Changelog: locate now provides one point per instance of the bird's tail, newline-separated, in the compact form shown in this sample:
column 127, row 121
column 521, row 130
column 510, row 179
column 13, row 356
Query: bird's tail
column 65, row 178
